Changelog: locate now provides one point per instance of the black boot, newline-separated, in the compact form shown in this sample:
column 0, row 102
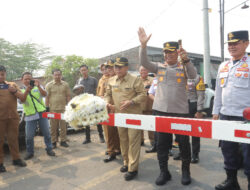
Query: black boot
column 87, row 131
column 164, row 176
column 231, row 183
column 185, row 178
column 101, row 138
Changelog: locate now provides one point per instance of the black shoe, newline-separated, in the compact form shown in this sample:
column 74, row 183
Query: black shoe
column 124, row 169
column 142, row 143
column 19, row 162
column 51, row 153
column 195, row 159
column 64, row 144
column 185, row 178
column 130, row 175
column 109, row 158
column 118, row 153
column 231, row 183
column 28, row 156
column 86, row 141
column 163, row 178
column 177, row 156
column 151, row 150
column 2, row 168
column 102, row 140
column 54, row 145
column 228, row 185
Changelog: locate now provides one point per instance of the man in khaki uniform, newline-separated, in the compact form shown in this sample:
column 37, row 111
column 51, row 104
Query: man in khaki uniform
column 57, row 98
column 9, row 119
column 111, row 132
column 147, row 107
column 124, row 94
column 170, row 100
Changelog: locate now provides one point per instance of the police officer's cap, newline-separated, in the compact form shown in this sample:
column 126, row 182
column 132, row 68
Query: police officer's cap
column 170, row 46
column 237, row 36
column 121, row 61
column 110, row 63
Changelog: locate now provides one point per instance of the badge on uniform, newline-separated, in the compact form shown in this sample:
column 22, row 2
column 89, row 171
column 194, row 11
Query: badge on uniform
column 222, row 81
column 179, row 80
column 161, row 79
column 238, row 74
column 161, row 73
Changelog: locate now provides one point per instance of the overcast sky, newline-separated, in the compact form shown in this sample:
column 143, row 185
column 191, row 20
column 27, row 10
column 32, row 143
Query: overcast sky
column 97, row 28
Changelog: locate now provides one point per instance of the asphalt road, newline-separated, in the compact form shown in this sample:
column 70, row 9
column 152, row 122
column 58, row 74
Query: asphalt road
column 81, row 167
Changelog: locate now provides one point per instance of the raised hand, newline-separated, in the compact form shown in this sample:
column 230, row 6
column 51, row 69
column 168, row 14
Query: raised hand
column 143, row 37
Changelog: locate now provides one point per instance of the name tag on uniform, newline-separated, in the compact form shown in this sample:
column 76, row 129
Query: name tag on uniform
column 4, row 86
column 116, row 88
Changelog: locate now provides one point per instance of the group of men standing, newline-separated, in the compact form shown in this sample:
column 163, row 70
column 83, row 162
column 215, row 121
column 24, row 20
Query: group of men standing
column 178, row 92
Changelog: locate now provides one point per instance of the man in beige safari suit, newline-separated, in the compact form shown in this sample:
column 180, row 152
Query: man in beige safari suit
column 58, row 95
column 127, row 93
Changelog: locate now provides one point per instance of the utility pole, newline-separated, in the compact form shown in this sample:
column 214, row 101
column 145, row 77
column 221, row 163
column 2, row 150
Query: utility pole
column 222, row 16
column 206, row 56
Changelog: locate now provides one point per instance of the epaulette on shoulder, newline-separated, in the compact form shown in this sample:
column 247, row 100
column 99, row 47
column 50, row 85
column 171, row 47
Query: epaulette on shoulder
column 248, row 54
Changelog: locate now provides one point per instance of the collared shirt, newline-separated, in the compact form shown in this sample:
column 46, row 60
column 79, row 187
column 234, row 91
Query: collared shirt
column 153, row 87
column 57, row 94
column 128, row 88
column 147, row 105
column 233, row 87
column 102, row 84
column 170, row 94
column 8, row 103
column 89, row 83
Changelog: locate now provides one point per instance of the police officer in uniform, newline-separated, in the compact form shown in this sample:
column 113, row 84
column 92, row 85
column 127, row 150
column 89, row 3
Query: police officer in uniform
column 147, row 106
column 124, row 94
column 170, row 100
column 231, row 98
column 196, row 98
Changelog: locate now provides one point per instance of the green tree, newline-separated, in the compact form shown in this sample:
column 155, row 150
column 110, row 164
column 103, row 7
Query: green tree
column 69, row 66
column 22, row 57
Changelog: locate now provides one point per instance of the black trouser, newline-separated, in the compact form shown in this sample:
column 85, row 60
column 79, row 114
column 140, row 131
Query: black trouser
column 165, row 143
column 195, row 140
column 230, row 150
column 155, row 136
column 99, row 129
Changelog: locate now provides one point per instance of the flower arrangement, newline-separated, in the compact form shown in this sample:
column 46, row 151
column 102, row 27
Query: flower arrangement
column 85, row 109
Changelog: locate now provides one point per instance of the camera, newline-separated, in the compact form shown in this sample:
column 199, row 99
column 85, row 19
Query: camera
column 32, row 83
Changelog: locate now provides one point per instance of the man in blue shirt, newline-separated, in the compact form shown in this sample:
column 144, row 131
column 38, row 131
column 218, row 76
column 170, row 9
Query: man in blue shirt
column 231, row 98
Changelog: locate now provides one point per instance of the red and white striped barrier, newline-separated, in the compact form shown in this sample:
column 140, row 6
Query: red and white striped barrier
column 236, row 131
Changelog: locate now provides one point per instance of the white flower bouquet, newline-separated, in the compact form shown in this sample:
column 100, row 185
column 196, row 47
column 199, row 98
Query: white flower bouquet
column 85, row 109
